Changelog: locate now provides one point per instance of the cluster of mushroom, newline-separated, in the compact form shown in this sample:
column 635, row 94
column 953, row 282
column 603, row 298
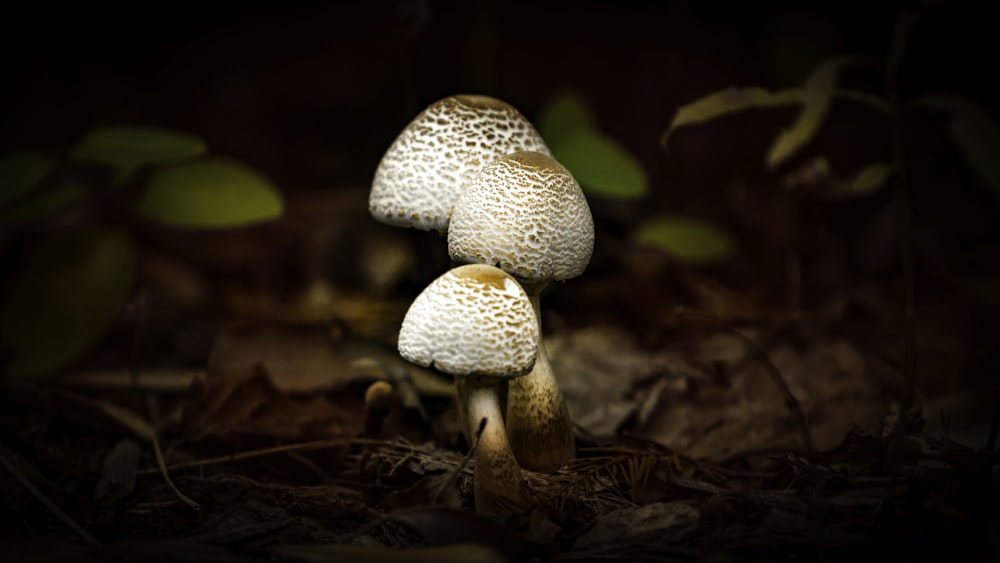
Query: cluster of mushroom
column 475, row 168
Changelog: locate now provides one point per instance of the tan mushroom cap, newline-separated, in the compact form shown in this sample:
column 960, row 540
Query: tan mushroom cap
column 440, row 151
column 472, row 320
column 525, row 213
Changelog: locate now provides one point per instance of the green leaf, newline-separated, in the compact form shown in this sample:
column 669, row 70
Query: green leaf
column 817, row 95
column 736, row 100
column 40, row 205
column 602, row 165
column 63, row 300
column 687, row 239
column 20, row 172
column 976, row 132
column 126, row 147
column 565, row 113
column 214, row 193
column 871, row 178
column 727, row 102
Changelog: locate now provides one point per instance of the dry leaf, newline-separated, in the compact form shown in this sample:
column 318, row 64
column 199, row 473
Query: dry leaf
column 247, row 402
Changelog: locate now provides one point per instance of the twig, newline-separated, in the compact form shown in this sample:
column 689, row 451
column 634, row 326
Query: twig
column 166, row 477
column 30, row 487
column 790, row 401
column 303, row 446
column 453, row 476
column 140, row 428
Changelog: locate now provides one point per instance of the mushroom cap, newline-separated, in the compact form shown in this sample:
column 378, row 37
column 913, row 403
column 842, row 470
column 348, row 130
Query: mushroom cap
column 439, row 152
column 525, row 213
column 472, row 320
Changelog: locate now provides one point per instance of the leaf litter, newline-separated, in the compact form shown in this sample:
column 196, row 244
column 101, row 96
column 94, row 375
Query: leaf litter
column 689, row 449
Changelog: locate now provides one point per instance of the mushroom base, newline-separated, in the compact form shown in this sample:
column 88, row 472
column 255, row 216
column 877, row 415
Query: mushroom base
column 500, row 487
column 538, row 424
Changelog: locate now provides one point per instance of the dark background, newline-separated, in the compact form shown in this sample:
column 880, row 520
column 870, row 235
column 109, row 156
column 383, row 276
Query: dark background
column 311, row 94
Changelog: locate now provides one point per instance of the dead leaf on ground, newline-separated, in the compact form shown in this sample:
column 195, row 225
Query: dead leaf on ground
column 670, row 519
column 118, row 471
column 445, row 526
column 247, row 402
column 326, row 553
column 710, row 398
column 308, row 359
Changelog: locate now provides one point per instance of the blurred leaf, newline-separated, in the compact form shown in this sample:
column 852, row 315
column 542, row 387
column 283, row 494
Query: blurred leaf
column 20, row 172
column 602, row 165
column 126, row 147
column 873, row 101
column 871, row 178
column 735, row 100
column 331, row 553
column 39, row 205
column 976, row 132
column 817, row 172
column 726, row 102
column 817, row 94
column 687, row 239
column 812, row 171
column 62, row 301
column 209, row 193
column 564, row 113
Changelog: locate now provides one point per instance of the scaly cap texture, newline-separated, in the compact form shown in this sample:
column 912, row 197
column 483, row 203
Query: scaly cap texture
column 439, row 152
column 472, row 320
column 525, row 213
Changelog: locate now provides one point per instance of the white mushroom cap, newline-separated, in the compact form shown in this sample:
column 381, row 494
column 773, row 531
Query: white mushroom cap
column 526, row 214
column 472, row 320
column 439, row 152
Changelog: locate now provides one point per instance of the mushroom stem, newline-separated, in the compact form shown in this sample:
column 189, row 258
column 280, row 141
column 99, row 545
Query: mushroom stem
column 378, row 403
column 538, row 424
column 499, row 486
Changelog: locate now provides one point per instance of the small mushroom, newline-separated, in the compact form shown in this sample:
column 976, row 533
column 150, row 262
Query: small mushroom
column 476, row 323
column 378, row 403
column 526, row 214
column 439, row 152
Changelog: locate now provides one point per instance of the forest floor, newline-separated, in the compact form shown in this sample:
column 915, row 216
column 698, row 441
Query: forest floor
column 709, row 427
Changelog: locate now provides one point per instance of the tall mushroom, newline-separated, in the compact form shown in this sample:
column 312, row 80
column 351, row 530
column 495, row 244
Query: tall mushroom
column 526, row 213
column 475, row 322
column 439, row 152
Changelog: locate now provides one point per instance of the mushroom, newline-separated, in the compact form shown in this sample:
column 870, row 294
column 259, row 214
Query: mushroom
column 378, row 403
column 439, row 152
column 476, row 323
column 526, row 214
